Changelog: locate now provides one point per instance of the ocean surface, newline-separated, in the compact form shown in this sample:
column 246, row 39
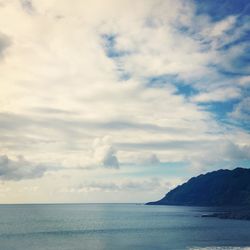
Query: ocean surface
column 117, row 227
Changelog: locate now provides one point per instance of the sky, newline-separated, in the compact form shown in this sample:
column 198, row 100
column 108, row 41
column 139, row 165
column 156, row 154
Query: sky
column 120, row 100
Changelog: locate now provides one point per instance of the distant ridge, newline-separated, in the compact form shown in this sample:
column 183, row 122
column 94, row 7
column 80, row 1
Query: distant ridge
column 218, row 188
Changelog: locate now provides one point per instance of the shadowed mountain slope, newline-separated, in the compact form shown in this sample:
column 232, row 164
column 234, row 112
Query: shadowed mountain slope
column 218, row 188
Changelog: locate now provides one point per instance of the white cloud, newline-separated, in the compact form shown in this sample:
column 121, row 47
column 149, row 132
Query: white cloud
column 150, row 159
column 223, row 154
column 4, row 44
column 121, row 185
column 20, row 169
column 27, row 6
column 219, row 95
column 104, row 153
column 63, row 89
column 244, row 81
column 222, row 26
column 242, row 110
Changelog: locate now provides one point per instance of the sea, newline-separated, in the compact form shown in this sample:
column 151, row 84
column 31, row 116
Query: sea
column 117, row 227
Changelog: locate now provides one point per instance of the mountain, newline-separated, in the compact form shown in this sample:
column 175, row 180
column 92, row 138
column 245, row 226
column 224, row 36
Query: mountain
column 218, row 188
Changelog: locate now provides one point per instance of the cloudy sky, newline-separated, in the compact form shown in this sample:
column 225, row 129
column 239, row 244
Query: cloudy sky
column 120, row 100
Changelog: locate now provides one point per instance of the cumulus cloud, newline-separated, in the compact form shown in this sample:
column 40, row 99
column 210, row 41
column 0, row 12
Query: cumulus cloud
column 242, row 110
column 218, row 155
column 144, row 159
column 4, row 43
column 151, row 159
column 19, row 169
column 27, row 6
column 104, row 153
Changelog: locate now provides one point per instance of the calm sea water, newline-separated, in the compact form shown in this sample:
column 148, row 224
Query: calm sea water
column 117, row 226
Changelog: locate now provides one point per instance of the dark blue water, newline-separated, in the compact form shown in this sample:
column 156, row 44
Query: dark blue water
column 117, row 226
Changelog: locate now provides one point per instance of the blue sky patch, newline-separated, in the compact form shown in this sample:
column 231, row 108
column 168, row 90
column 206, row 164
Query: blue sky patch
column 219, row 9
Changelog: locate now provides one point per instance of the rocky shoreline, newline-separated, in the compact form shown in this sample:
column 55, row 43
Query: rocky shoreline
column 234, row 215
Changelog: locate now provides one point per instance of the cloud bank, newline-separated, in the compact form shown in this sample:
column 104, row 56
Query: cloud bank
column 19, row 169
